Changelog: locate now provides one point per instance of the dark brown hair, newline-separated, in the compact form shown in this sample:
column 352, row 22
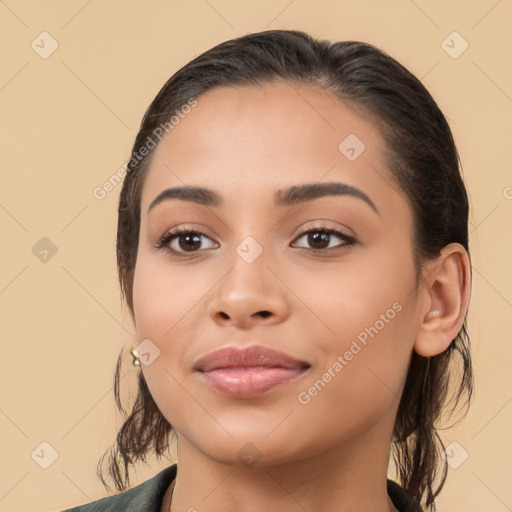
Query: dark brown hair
column 423, row 161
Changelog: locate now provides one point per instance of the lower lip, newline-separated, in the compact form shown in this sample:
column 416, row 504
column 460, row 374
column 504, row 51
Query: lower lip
column 249, row 382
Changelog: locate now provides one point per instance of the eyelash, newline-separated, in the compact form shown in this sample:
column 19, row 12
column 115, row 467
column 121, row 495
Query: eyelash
column 162, row 244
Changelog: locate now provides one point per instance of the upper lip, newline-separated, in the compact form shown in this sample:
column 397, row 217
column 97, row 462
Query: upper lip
column 231, row 357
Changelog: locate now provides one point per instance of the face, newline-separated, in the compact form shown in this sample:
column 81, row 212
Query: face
column 263, row 268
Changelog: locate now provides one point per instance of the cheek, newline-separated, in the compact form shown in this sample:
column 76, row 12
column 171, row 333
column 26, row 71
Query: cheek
column 346, row 299
column 163, row 299
column 148, row 301
column 170, row 306
column 367, row 315
column 164, row 296
column 362, row 368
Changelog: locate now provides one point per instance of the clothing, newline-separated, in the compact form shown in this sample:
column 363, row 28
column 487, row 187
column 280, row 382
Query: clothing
column 148, row 496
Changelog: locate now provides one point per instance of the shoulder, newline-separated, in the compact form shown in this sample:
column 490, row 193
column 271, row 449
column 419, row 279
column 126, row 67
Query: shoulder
column 146, row 496
column 401, row 498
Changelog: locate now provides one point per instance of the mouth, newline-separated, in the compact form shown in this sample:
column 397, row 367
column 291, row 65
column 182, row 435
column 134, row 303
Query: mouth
column 244, row 373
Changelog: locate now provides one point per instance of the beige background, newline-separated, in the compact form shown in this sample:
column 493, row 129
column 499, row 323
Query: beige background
column 68, row 124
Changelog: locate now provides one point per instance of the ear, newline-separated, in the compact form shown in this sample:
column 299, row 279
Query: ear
column 446, row 288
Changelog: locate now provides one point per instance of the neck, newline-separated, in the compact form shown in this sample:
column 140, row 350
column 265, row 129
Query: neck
column 351, row 478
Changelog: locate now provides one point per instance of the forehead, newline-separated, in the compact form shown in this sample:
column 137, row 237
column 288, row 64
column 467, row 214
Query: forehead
column 252, row 140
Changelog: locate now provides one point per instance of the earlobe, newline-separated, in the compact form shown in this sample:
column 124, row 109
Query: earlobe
column 447, row 288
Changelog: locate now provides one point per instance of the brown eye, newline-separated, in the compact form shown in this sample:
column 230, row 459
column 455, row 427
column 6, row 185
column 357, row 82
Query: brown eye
column 182, row 241
column 319, row 239
column 189, row 242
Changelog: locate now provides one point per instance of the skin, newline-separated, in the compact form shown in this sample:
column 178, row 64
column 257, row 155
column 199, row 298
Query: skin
column 332, row 453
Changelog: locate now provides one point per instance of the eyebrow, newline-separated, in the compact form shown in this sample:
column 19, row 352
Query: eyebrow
column 286, row 197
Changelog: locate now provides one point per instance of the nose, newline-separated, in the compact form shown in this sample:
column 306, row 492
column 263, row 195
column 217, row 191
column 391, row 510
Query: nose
column 249, row 294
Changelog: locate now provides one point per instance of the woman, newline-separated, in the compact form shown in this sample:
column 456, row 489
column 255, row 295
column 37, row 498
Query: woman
column 293, row 249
